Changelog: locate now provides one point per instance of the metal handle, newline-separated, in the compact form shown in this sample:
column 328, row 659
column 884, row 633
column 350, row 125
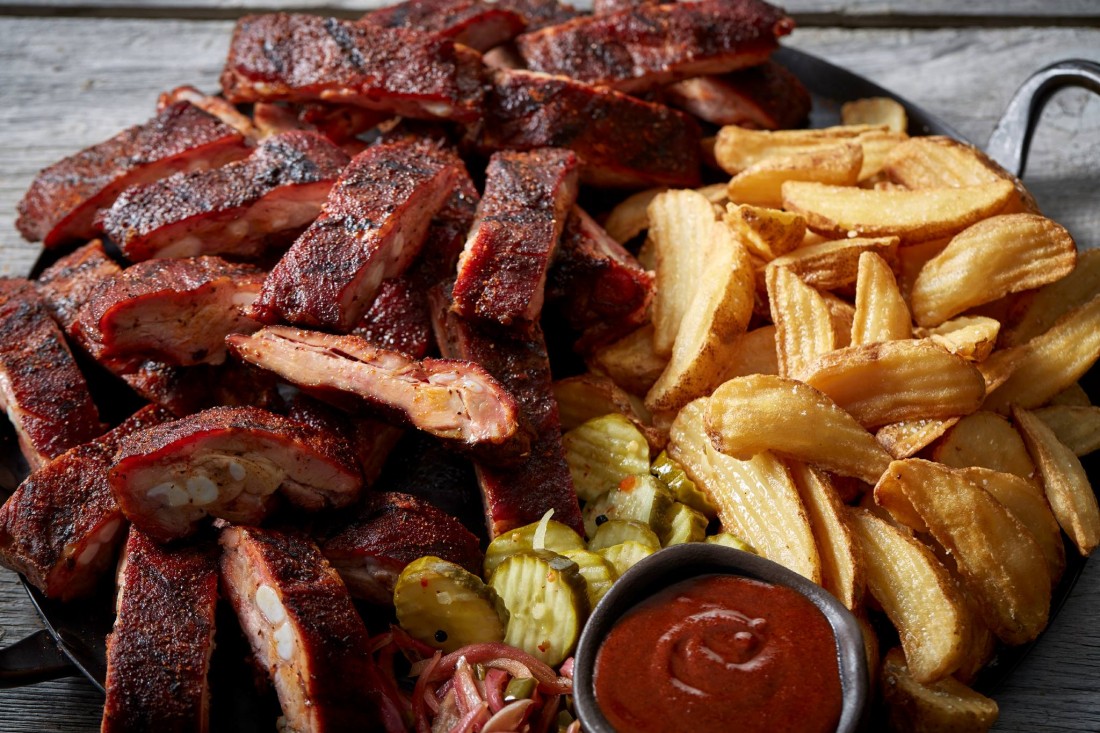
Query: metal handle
column 1011, row 139
column 34, row 659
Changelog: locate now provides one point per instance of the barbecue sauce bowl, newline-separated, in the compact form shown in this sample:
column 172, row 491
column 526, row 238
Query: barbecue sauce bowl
column 691, row 567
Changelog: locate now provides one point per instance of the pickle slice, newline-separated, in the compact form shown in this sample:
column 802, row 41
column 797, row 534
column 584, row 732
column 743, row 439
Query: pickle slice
column 446, row 606
column 730, row 540
column 625, row 555
column 641, row 498
column 599, row 575
column 683, row 489
column 617, row 531
column 556, row 538
column 603, row 451
column 684, row 525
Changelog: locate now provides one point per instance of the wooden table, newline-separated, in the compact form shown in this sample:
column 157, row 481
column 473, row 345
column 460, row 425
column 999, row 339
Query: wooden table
column 74, row 72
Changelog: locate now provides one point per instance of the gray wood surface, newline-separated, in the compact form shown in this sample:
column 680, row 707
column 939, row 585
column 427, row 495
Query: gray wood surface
column 66, row 83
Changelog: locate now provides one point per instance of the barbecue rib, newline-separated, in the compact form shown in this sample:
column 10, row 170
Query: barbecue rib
column 62, row 202
column 303, row 58
column 540, row 13
column 371, row 441
column 621, row 141
column 475, row 23
column 228, row 462
column 239, row 209
column 66, row 285
column 387, row 533
column 158, row 654
column 502, row 270
column 187, row 390
column 373, row 226
column 305, row 633
column 60, row 528
column 651, row 45
column 767, row 97
column 216, row 106
column 454, row 400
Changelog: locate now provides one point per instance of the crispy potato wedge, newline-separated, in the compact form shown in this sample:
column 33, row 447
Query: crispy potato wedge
column 766, row 233
column 630, row 218
column 804, row 328
column 754, row 353
column 909, row 437
column 631, row 361
column 1033, row 314
column 1067, row 486
column 892, row 381
column 1076, row 426
column 1000, row 562
column 912, row 216
column 835, row 263
column 912, row 258
column 738, row 148
column 843, row 315
column 877, row 145
column 1001, row 255
column 841, row 563
column 716, row 194
column 943, row 706
column 761, row 184
column 875, row 111
column 1074, row 395
column 881, row 313
column 988, row 440
column 917, row 594
column 748, row 415
column 971, row 337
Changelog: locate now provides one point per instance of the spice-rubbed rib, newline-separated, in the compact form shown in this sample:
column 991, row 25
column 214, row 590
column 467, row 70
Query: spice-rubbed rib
column 62, row 526
column 187, row 390
column 475, row 23
column 66, row 285
column 650, row 45
column 238, row 210
column 373, row 226
column 451, row 399
column 228, row 462
column 305, row 633
column 540, row 13
column 61, row 204
column 768, row 97
column 158, row 653
column 302, row 58
column 216, row 106
column 621, row 141
column 502, row 270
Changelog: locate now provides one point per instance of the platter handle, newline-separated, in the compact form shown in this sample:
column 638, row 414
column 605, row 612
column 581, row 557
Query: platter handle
column 33, row 659
column 1011, row 138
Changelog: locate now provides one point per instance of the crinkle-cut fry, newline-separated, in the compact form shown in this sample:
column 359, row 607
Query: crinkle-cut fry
column 999, row 561
column 943, row 706
column 917, row 594
column 716, row 194
column 909, row 437
column 681, row 224
column 877, row 145
column 875, row 111
column 1076, row 426
column 971, row 337
column 803, row 322
column 688, row 441
column 841, row 563
column 988, row 440
column 767, row 233
column 881, row 313
column 748, row 415
column 1036, row 312
column 911, row 259
column 1064, row 480
column 912, row 216
column 835, row 263
column 892, row 381
column 1028, row 504
column 629, row 218
column 1073, row 395
column 631, row 361
column 1050, row 362
column 754, row 353
column 843, row 315
column 761, row 184
column 737, row 148
column 1003, row 254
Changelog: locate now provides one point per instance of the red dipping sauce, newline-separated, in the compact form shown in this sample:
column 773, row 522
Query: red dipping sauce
column 720, row 653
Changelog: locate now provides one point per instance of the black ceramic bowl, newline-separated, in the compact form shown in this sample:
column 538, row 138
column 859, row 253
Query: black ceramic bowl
column 686, row 561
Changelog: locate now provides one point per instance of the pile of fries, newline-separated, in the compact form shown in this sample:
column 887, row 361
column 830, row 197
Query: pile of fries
column 866, row 349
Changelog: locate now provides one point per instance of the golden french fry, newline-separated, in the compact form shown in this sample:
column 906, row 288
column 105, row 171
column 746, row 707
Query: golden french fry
column 835, row 263
column 766, row 233
column 1074, row 395
column 912, row 216
column 754, row 353
column 971, row 337
column 875, row 111
column 631, row 361
column 912, row 258
column 1003, row 254
column 943, row 706
column 917, row 594
column 716, row 194
column 803, row 322
column 1076, row 426
column 748, row 415
column 909, row 437
column 1067, row 486
column 892, row 381
column 738, row 148
column 1034, row 314
column 629, row 218
column 688, row 441
column 877, row 145
column 988, row 440
column 761, row 184
column 881, row 313
column 999, row 561
column 843, row 315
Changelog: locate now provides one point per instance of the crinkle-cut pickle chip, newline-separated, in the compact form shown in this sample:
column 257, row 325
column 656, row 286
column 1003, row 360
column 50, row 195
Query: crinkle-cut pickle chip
column 548, row 534
column 944, row 705
column 446, row 606
column 748, row 415
column 602, row 452
column 912, row 216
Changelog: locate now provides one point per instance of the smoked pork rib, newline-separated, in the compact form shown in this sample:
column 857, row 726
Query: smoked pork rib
column 475, row 23
column 651, row 45
column 158, row 653
column 373, row 226
column 186, row 390
column 302, row 58
column 41, row 387
column 239, row 209
column 216, row 106
column 305, row 633
column 502, row 270
column 387, row 533
column 228, row 462
column 540, row 13
column 61, row 204
column 371, row 441
column 68, row 284
column 62, row 526
column 454, row 400
column 767, row 97
column 620, row 140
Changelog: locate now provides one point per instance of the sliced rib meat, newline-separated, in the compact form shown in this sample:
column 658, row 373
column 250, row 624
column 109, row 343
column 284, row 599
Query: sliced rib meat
column 158, row 653
column 239, row 209
column 66, row 285
column 373, row 226
column 603, row 7
column 767, row 97
column 62, row 526
column 216, row 106
column 502, row 270
column 178, row 311
column 454, row 400
column 305, row 633
column 474, row 23
column 650, row 45
column 398, row 319
column 303, row 58
column 61, row 204
column 540, row 13
column 520, row 494
column 228, row 462
column 387, row 533
column 41, row 387
column 371, row 441
column 187, row 390
column 623, row 142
